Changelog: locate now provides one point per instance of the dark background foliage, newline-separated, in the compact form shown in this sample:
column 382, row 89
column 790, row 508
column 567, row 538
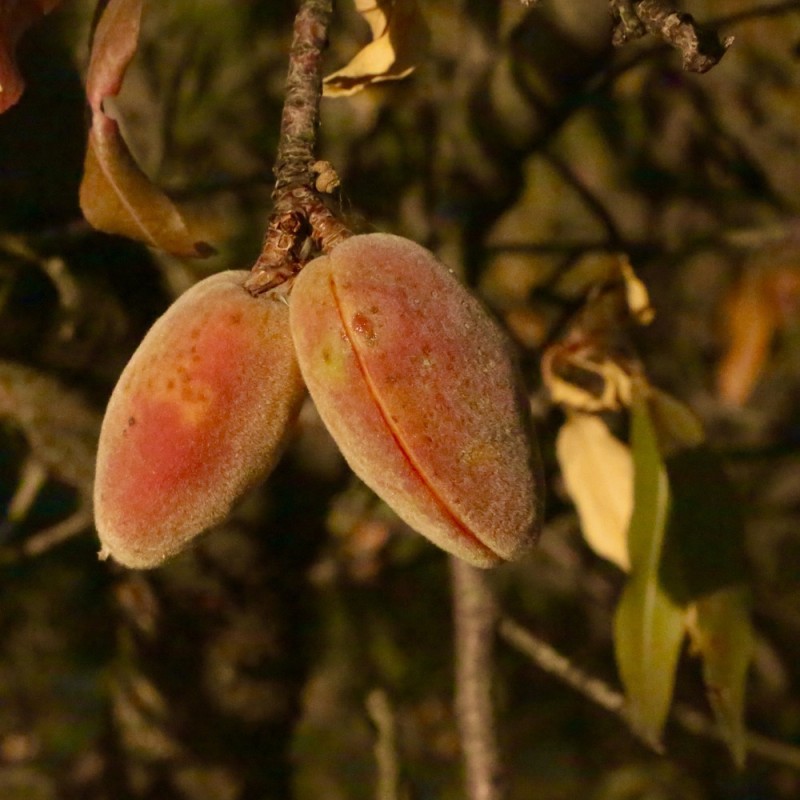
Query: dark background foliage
column 523, row 150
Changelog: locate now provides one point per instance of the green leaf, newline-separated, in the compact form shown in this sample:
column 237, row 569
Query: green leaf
column 722, row 635
column 648, row 624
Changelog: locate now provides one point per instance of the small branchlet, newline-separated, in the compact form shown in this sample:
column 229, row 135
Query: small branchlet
column 701, row 47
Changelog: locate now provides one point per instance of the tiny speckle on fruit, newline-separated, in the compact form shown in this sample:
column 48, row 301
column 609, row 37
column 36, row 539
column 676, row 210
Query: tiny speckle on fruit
column 363, row 327
column 131, row 421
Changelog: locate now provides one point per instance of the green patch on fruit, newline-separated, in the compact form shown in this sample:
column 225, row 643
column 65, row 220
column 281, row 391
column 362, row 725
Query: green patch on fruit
column 332, row 359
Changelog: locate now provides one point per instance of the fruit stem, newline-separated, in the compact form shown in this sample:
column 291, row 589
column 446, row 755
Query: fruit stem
column 299, row 213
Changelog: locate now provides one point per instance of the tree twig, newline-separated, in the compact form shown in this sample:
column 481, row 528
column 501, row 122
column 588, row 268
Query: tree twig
column 769, row 749
column 550, row 660
column 42, row 541
column 300, row 217
column 700, row 46
column 475, row 617
column 599, row 692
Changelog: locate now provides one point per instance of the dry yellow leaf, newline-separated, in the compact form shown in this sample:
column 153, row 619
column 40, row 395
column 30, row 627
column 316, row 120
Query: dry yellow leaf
column 598, row 474
column 399, row 37
column 614, row 379
column 636, row 294
column 376, row 14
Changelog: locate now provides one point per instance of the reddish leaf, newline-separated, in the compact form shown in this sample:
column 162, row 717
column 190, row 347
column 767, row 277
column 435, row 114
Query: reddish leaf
column 751, row 319
column 116, row 196
column 113, row 46
column 15, row 19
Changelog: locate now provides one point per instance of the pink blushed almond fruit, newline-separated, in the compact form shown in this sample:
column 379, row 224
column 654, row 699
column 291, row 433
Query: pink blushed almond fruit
column 200, row 413
column 418, row 386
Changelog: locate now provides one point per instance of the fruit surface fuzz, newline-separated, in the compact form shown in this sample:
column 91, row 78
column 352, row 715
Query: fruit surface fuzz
column 199, row 414
column 419, row 387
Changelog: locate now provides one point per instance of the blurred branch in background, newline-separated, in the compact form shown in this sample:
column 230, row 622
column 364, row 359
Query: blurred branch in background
column 603, row 695
column 474, row 616
column 389, row 785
